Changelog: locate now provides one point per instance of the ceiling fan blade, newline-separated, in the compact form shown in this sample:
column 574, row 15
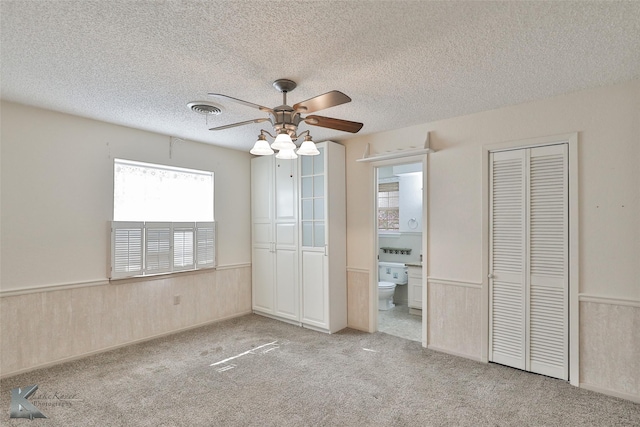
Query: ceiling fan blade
column 240, row 101
column 232, row 125
column 331, row 123
column 320, row 102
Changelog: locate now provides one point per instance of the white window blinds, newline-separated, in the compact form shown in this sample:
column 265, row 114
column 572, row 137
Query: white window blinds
column 127, row 249
column 146, row 248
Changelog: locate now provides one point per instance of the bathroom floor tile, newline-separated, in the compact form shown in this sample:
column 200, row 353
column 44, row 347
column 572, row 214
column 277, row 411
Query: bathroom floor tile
column 398, row 322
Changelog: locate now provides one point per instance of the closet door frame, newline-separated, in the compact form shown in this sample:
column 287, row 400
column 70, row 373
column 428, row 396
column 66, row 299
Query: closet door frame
column 573, row 243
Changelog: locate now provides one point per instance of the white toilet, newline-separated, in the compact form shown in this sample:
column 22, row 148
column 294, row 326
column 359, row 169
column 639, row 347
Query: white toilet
column 390, row 274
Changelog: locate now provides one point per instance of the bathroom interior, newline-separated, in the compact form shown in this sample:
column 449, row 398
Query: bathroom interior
column 400, row 250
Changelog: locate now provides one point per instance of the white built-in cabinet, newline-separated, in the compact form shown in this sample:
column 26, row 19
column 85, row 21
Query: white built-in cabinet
column 299, row 238
column 275, row 237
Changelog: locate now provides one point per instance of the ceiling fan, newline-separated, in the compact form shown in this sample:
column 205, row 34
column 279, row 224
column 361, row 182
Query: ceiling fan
column 285, row 120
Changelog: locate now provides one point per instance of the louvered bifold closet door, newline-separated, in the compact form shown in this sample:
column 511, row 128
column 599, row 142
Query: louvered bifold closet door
column 548, row 261
column 507, row 258
column 529, row 259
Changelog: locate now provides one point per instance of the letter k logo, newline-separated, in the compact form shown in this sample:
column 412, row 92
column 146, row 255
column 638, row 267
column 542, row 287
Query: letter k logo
column 21, row 407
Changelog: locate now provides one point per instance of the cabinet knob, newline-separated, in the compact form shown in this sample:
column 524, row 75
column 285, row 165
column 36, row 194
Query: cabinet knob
column 491, row 276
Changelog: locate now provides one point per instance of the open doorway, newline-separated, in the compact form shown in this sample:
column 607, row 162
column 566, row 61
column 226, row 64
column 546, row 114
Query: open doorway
column 399, row 243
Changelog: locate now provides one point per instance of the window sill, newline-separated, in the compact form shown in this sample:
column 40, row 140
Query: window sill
column 159, row 276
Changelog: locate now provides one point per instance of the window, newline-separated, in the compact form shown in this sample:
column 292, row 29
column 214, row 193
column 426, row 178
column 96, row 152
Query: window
column 389, row 206
column 162, row 220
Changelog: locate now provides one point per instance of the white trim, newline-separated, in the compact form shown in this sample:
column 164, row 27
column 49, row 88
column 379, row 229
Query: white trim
column 398, row 154
column 574, row 262
column 450, row 282
column 357, row 270
column 232, row 266
column 574, row 239
column 454, row 353
column 599, row 299
column 55, row 287
column 531, row 142
column 101, row 282
column 113, row 347
column 632, row 397
column 376, row 163
column 276, row 317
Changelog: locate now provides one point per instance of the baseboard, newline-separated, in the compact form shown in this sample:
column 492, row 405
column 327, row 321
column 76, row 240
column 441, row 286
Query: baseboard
column 614, row 393
column 274, row 317
column 114, row 347
column 454, row 353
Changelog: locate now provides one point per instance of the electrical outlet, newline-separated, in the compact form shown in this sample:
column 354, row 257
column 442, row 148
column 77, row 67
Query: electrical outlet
column 176, row 299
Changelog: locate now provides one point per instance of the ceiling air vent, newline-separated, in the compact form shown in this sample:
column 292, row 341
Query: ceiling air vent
column 204, row 108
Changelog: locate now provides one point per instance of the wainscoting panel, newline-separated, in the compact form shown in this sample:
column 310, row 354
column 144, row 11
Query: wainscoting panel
column 358, row 299
column 455, row 317
column 46, row 327
column 610, row 346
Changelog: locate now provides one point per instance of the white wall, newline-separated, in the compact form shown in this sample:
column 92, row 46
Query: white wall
column 607, row 120
column 57, row 193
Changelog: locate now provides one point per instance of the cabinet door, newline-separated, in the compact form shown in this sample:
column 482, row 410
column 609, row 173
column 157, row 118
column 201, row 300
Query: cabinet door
column 262, row 189
column 314, row 291
column 415, row 287
column 312, row 197
column 313, row 259
column 287, row 300
column 286, row 195
column 262, row 275
column 286, row 281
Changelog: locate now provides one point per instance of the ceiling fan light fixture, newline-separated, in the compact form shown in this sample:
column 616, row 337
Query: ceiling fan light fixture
column 261, row 147
column 283, row 142
column 308, row 148
column 285, row 120
column 287, row 154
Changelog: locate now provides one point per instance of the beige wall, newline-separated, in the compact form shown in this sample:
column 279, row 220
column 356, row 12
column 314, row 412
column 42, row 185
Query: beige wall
column 57, row 193
column 57, row 199
column 607, row 120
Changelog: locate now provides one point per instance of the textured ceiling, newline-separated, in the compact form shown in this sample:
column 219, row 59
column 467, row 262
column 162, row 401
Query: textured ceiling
column 138, row 63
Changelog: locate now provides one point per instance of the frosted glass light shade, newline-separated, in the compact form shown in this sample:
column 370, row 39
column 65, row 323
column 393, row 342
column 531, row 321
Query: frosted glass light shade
column 287, row 154
column 261, row 148
column 308, row 148
column 283, row 142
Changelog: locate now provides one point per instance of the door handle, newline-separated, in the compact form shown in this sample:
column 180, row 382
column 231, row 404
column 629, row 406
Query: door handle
column 491, row 276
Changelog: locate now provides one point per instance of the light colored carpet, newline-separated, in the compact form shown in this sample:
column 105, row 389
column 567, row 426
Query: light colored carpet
column 297, row 377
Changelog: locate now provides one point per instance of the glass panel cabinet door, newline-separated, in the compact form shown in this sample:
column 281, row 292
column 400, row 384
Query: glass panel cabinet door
column 312, row 197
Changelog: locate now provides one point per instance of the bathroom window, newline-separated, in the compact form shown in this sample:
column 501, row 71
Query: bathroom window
column 389, row 206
